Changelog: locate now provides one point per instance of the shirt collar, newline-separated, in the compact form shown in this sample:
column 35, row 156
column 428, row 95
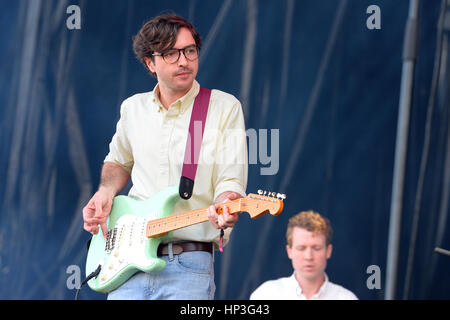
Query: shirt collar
column 322, row 288
column 183, row 103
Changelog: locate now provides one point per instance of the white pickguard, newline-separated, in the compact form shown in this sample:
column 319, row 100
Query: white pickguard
column 129, row 246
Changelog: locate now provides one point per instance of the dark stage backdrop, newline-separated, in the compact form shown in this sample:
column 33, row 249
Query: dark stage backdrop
column 314, row 80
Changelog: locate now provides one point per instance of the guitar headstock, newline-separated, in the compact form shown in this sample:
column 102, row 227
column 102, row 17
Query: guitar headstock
column 263, row 202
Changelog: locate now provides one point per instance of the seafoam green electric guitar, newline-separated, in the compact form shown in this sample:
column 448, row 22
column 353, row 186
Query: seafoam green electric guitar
column 136, row 228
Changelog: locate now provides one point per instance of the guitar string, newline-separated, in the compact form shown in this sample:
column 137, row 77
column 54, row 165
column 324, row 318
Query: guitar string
column 180, row 217
column 160, row 225
column 186, row 214
column 170, row 221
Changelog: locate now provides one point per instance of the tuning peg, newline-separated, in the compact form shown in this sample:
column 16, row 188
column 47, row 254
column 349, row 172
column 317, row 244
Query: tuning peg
column 260, row 192
column 273, row 194
column 281, row 196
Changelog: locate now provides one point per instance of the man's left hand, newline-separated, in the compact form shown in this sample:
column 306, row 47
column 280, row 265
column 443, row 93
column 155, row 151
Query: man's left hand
column 226, row 219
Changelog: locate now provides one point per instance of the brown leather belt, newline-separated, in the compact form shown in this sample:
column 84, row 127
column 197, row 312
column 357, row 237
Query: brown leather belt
column 179, row 247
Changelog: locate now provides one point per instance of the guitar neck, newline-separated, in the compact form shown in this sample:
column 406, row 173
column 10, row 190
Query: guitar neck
column 161, row 226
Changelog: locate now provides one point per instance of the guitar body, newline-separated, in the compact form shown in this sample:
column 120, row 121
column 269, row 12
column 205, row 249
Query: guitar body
column 127, row 249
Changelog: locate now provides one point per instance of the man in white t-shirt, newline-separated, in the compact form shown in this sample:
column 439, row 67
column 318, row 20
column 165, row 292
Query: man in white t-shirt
column 309, row 247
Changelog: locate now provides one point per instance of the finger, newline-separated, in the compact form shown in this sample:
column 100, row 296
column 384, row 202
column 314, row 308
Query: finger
column 107, row 210
column 98, row 209
column 88, row 211
column 108, row 206
column 104, row 229
column 222, row 220
column 87, row 227
column 233, row 196
column 230, row 219
column 227, row 220
column 93, row 229
column 223, row 224
column 95, row 220
column 213, row 216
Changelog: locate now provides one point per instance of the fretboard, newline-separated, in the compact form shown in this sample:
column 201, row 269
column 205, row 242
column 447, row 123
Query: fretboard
column 161, row 226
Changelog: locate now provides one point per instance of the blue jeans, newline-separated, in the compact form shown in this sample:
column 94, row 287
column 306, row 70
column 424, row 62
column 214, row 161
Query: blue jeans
column 187, row 276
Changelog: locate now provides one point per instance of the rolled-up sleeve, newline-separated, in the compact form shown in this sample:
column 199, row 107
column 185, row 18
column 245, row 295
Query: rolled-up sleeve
column 231, row 165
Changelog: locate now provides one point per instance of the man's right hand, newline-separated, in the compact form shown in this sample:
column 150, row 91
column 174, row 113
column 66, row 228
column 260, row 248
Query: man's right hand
column 97, row 210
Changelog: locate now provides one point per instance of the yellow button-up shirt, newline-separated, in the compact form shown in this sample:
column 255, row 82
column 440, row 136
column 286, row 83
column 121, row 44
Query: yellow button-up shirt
column 150, row 143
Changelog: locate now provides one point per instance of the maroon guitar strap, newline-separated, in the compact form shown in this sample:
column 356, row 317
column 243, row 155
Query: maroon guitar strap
column 194, row 142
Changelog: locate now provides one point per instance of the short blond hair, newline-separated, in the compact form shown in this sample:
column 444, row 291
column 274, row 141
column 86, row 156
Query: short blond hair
column 311, row 221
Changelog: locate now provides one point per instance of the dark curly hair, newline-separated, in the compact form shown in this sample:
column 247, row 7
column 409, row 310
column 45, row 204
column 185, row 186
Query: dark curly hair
column 160, row 34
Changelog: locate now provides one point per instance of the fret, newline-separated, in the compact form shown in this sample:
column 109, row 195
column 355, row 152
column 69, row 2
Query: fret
column 161, row 226
column 158, row 227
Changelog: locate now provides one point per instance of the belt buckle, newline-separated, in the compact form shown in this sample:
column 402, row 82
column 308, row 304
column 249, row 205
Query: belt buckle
column 177, row 249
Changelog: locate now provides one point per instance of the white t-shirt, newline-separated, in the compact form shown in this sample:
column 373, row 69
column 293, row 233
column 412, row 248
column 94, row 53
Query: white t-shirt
column 288, row 289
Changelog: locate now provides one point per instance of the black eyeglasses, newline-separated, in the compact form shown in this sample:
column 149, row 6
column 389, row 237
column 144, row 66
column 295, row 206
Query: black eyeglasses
column 173, row 55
